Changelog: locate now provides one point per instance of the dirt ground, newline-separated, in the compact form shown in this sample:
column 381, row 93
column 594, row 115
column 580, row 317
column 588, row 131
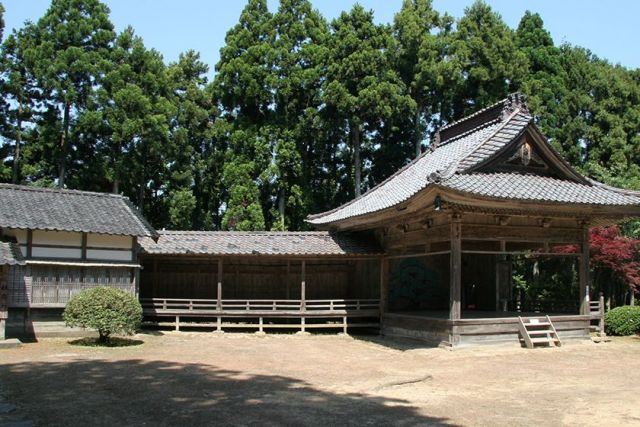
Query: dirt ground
column 320, row 380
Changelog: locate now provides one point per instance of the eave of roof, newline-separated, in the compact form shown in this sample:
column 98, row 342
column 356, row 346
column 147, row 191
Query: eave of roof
column 10, row 254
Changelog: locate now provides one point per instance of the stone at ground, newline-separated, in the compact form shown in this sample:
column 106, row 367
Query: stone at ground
column 10, row 343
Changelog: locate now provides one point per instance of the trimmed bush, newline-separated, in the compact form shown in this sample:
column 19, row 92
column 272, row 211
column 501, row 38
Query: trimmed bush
column 107, row 310
column 623, row 320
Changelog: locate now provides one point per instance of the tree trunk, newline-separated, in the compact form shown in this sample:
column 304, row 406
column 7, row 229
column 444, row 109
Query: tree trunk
column 281, row 205
column 417, row 134
column 62, row 161
column 142, row 181
column 16, row 155
column 357, row 167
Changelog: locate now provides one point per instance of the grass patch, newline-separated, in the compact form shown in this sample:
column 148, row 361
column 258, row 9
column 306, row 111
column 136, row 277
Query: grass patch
column 113, row 342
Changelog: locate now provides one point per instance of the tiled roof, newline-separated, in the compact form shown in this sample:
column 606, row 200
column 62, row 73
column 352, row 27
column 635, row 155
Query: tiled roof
column 36, row 208
column 461, row 151
column 466, row 145
column 258, row 243
column 537, row 188
column 10, row 254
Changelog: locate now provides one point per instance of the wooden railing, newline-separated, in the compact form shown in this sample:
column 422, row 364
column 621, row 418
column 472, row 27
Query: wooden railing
column 195, row 306
column 597, row 312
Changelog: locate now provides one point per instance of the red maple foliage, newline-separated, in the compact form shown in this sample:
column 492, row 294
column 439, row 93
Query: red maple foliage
column 610, row 250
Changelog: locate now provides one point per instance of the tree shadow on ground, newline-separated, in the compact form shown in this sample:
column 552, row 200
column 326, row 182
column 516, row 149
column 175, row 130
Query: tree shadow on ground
column 396, row 343
column 160, row 393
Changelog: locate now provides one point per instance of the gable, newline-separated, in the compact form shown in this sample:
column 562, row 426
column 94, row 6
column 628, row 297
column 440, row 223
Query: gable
column 531, row 155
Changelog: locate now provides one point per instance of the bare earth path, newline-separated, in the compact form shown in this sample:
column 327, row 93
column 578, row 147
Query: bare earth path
column 236, row 379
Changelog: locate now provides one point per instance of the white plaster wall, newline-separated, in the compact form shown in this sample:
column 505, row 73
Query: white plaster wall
column 104, row 254
column 71, row 253
column 59, row 238
column 109, row 241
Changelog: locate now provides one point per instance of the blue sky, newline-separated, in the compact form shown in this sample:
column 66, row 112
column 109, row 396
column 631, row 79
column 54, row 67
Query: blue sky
column 173, row 26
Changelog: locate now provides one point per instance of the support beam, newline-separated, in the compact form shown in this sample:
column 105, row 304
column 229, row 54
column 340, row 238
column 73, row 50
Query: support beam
column 303, row 287
column 584, row 272
column 83, row 254
column 219, row 299
column 288, row 280
column 455, row 288
column 384, row 285
column 29, row 243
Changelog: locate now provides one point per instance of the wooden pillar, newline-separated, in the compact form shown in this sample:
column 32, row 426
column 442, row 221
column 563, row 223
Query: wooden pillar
column 154, row 286
column 384, row 285
column 219, row 299
column 601, row 316
column 29, row 243
column 455, row 287
column 288, row 280
column 584, row 272
column 303, row 286
column 83, row 254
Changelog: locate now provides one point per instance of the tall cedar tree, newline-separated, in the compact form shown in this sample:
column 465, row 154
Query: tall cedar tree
column 244, row 88
column 362, row 88
column 72, row 43
column 19, row 101
column 491, row 65
column 300, row 60
column 194, row 184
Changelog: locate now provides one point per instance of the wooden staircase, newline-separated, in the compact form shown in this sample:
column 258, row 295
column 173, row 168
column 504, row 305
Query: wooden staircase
column 538, row 331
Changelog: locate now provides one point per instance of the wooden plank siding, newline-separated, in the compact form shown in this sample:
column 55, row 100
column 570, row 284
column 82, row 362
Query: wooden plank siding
column 258, row 278
column 53, row 286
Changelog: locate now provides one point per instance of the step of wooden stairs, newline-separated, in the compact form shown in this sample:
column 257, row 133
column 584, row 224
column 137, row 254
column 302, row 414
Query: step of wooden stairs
column 538, row 331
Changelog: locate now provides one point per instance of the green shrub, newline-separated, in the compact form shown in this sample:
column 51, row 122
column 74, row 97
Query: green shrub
column 623, row 320
column 107, row 310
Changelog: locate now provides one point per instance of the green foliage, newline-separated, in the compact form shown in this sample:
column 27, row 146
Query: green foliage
column 181, row 208
column 623, row 321
column 301, row 114
column 107, row 310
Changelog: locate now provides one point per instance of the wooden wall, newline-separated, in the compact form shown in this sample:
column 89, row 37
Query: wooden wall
column 258, row 278
column 53, row 284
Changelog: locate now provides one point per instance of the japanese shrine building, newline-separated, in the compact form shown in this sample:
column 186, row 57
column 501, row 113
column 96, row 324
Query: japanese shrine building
column 425, row 254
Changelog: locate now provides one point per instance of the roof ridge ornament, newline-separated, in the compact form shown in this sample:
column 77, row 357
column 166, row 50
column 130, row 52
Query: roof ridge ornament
column 515, row 101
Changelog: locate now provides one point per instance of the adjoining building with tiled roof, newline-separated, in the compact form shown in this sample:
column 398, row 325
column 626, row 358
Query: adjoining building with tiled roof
column 35, row 208
column 259, row 243
column 54, row 243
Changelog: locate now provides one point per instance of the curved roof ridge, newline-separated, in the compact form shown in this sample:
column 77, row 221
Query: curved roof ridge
column 19, row 187
column 472, row 115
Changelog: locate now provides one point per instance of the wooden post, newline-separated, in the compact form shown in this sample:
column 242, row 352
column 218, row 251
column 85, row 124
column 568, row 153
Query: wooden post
column 84, row 247
column 584, row 273
column 601, row 313
column 29, row 243
column 303, row 286
column 288, row 280
column 154, row 287
column 219, row 300
column 219, row 324
column 177, row 323
column 384, row 285
column 455, row 288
